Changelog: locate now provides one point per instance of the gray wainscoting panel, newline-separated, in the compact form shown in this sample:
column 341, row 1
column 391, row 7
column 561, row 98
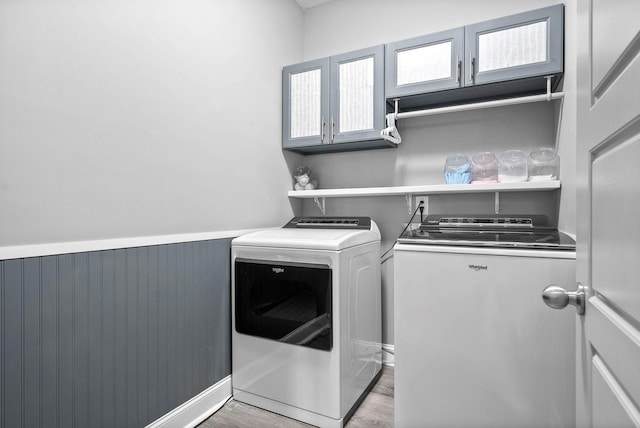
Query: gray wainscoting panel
column 113, row 338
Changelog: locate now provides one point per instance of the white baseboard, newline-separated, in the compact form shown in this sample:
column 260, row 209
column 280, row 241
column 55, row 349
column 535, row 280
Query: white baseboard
column 388, row 354
column 209, row 401
column 197, row 409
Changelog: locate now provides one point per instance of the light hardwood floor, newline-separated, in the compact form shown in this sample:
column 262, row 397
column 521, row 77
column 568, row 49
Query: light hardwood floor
column 375, row 411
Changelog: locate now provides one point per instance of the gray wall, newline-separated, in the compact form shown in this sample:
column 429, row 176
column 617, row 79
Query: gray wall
column 428, row 140
column 133, row 118
column 112, row 338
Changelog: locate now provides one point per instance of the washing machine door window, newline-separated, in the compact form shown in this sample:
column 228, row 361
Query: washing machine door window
column 288, row 302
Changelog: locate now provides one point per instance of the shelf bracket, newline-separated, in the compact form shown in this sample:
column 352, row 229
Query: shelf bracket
column 496, row 202
column 320, row 204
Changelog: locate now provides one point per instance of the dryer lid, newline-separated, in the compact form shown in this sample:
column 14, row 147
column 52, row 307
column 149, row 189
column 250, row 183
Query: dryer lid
column 321, row 238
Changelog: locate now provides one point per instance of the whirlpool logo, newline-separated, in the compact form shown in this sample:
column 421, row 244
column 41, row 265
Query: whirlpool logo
column 277, row 270
column 478, row 267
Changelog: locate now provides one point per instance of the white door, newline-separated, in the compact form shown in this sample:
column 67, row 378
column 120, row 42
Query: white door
column 608, row 156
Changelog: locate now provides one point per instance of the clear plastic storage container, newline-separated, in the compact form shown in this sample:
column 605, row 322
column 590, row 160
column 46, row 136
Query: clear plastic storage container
column 544, row 164
column 512, row 167
column 484, row 168
column 457, row 169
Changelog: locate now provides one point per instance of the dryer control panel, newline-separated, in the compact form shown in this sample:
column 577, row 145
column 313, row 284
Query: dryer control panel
column 329, row 223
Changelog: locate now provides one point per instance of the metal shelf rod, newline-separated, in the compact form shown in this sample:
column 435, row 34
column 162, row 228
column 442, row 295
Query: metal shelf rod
column 391, row 132
column 480, row 105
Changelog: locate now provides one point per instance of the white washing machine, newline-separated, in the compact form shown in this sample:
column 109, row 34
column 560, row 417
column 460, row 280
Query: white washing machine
column 475, row 346
column 306, row 318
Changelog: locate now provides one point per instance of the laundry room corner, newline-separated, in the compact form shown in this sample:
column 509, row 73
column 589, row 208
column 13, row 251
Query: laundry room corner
column 427, row 141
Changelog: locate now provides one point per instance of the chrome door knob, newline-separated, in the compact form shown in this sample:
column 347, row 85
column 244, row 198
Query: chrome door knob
column 557, row 297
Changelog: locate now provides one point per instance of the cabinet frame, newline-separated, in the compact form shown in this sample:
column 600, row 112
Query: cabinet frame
column 455, row 36
column 330, row 138
column 526, row 79
column 552, row 15
column 289, row 142
column 379, row 111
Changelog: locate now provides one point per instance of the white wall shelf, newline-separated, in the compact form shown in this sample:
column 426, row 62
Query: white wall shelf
column 319, row 195
column 429, row 189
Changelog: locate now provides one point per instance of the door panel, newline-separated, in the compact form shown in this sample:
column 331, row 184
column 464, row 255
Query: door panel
column 617, row 342
column 614, row 29
column 614, row 107
column 614, row 185
column 611, row 406
column 608, row 149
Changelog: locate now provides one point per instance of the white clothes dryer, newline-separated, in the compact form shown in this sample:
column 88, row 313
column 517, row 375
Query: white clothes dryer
column 306, row 318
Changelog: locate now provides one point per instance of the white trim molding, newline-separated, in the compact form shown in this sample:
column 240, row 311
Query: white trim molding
column 388, row 354
column 50, row 249
column 197, row 409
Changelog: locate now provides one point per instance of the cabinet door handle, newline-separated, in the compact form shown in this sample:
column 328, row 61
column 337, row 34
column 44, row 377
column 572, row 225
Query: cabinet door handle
column 458, row 64
column 323, row 134
column 472, row 62
column 333, row 133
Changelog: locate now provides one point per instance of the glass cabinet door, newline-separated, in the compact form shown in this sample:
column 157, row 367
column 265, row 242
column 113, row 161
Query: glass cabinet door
column 305, row 103
column 424, row 64
column 357, row 95
column 518, row 46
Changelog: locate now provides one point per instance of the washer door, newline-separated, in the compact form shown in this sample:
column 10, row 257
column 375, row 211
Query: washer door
column 288, row 302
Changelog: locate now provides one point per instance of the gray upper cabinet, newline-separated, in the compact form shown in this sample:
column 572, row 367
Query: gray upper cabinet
column 339, row 103
column 515, row 47
column 357, row 95
column 305, row 104
column 335, row 104
column 491, row 59
column 424, row 64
